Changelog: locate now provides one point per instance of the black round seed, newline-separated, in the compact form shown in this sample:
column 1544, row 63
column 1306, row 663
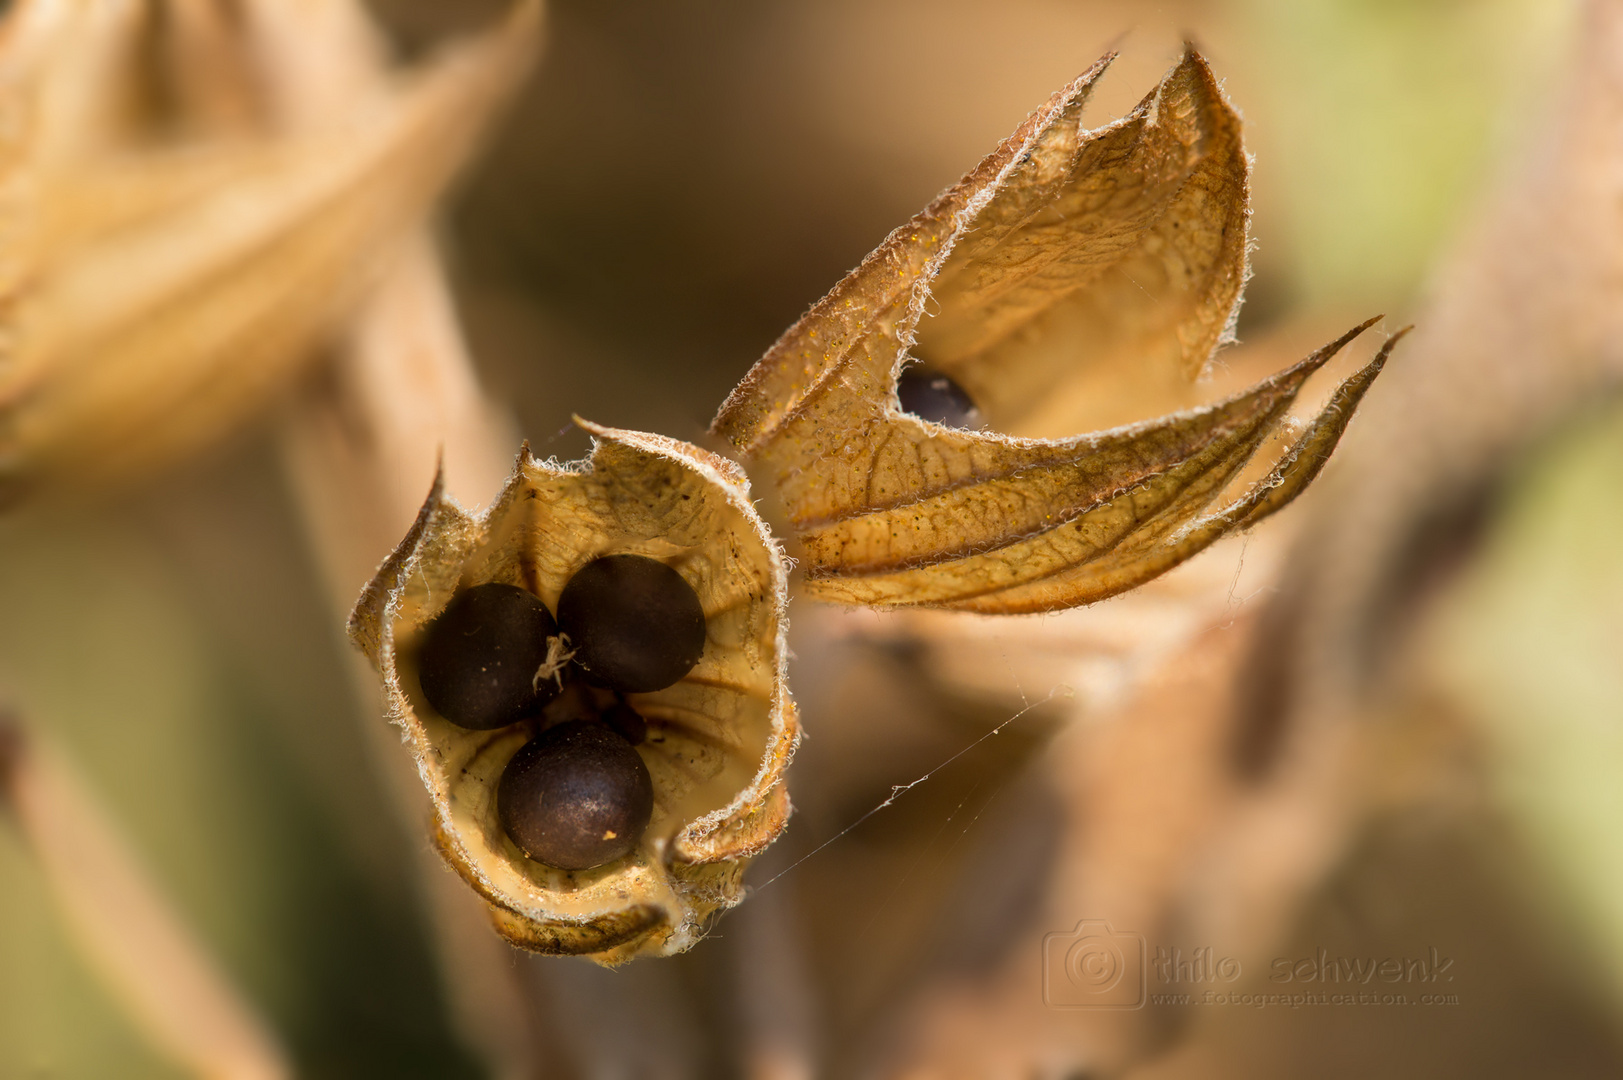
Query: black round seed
column 634, row 623
column 627, row 721
column 575, row 797
column 930, row 395
column 479, row 658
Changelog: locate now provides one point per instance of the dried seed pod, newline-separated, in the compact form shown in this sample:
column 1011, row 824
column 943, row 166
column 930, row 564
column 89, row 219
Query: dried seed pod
column 717, row 742
column 159, row 291
column 1065, row 249
column 892, row 502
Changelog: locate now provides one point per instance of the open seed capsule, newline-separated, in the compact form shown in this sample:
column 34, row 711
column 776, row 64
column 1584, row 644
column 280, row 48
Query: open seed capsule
column 717, row 741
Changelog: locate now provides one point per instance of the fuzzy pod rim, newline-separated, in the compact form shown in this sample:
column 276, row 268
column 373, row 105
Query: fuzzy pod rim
column 638, row 493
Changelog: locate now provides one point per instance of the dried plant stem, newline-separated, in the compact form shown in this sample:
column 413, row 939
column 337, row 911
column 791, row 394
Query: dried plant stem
column 361, row 455
column 399, row 396
column 128, row 933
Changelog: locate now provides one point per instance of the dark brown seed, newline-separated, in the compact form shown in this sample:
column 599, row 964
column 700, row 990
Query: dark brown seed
column 634, row 623
column 627, row 721
column 930, row 395
column 575, row 797
column 479, row 658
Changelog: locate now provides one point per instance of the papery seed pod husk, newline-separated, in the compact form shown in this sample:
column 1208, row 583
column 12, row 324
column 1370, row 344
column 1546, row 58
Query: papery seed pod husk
column 1064, row 250
column 718, row 741
column 158, row 292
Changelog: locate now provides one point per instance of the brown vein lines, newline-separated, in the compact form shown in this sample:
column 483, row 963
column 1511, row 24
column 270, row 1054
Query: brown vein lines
column 723, row 684
column 1056, row 534
column 1147, row 553
column 1043, row 486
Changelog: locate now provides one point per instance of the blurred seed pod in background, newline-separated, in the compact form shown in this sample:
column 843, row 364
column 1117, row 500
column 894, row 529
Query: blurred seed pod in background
column 175, row 250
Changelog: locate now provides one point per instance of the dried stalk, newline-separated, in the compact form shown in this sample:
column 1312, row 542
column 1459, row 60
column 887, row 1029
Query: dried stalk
column 400, row 398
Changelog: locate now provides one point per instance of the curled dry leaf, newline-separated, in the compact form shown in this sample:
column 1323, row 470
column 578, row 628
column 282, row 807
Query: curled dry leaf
column 719, row 740
column 1132, row 235
column 160, row 288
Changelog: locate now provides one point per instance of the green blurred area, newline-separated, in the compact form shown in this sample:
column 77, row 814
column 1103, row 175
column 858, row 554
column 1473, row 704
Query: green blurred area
column 676, row 185
column 1380, row 124
column 1532, row 641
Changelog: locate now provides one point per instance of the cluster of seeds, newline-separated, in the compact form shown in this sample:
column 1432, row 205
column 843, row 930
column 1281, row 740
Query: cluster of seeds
column 577, row 795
